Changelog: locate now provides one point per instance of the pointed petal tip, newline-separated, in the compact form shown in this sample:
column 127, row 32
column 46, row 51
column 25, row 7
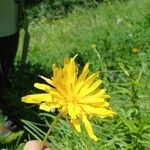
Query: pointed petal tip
column 94, row 138
column 24, row 98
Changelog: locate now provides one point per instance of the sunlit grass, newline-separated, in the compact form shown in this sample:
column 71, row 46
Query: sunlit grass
column 107, row 24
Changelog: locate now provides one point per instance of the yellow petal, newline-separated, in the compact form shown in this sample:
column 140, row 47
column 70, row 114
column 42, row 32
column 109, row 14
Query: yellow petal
column 91, row 79
column 42, row 87
column 84, row 73
column 63, row 110
column 78, row 86
column 76, row 124
column 48, row 106
column 100, row 112
column 85, row 91
column 56, row 94
column 90, row 99
column 97, row 102
column 72, row 72
column 59, row 82
column 86, row 84
column 88, row 127
column 99, row 93
column 69, row 74
column 94, row 86
column 49, row 81
column 54, row 68
column 71, row 108
column 37, row 98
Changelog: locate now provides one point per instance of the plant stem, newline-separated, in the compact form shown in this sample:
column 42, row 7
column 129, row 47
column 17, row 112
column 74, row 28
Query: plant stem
column 100, row 59
column 50, row 129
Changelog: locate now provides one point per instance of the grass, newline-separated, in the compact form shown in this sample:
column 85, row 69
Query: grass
column 120, row 32
column 112, row 27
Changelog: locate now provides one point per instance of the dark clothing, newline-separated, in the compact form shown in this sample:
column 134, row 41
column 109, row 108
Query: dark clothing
column 8, row 49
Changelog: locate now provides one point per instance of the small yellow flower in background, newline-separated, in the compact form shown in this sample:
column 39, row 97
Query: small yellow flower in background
column 76, row 12
column 77, row 96
column 135, row 50
column 93, row 46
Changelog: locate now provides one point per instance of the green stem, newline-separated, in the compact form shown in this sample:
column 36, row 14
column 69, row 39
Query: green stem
column 50, row 129
column 99, row 57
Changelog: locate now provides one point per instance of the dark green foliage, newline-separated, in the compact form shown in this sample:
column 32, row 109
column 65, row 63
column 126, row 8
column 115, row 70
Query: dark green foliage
column 55, row 9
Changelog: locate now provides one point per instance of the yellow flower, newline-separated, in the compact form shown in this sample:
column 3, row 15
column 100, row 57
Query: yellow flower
column 135, row 50
column 77, row 96
column 93, row 46
column 76, row 12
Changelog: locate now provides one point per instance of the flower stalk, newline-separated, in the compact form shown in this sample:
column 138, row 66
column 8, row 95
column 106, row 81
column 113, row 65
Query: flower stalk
column 50, row 129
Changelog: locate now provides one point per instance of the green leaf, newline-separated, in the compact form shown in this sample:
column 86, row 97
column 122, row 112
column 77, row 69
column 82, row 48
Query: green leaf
column 13, row 136
column 129, row 124
column 33, row 129
column 145, row 127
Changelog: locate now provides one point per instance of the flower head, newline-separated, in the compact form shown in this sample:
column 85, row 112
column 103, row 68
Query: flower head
column 93, row 46
column 135, row 50
column 77, row 96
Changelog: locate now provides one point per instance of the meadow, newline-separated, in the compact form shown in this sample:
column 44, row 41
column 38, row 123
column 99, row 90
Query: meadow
column 114, row 38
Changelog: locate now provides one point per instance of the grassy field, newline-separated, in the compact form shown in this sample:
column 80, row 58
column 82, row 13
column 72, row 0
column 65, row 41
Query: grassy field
column 114, row 38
